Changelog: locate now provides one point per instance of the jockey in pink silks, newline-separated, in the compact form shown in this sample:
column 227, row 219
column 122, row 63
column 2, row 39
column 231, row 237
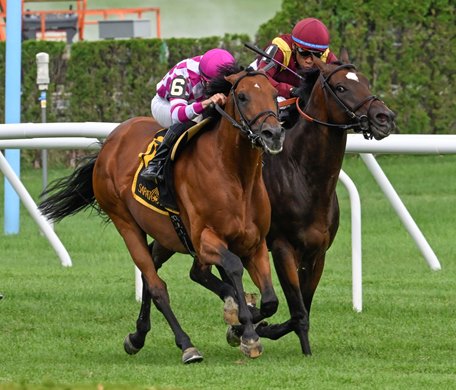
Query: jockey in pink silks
column 181, row 99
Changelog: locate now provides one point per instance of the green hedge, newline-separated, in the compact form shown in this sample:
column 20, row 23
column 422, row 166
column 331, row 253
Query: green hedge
column 105, row 81
column 405, row 48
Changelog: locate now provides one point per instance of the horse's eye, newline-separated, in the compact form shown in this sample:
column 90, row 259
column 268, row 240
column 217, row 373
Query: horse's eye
column 340, row 88
column 242, row 97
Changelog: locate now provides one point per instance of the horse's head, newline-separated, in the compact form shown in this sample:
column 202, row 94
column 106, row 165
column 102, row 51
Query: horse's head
column 350, row 103
column 252, row 108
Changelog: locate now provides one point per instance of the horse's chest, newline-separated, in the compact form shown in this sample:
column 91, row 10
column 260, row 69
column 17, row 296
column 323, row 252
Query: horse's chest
column 242, row 234
column 246, row 241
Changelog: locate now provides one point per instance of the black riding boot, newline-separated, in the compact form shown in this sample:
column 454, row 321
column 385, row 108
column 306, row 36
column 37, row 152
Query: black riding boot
column 154, row 170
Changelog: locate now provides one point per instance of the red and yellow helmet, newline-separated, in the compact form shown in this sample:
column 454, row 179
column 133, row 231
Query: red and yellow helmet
column 311, row 34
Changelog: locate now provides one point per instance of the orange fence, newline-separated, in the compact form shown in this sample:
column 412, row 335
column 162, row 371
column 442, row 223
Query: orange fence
column 81, row 14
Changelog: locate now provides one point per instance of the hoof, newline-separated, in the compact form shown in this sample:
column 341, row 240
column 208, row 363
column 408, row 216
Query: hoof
column 306, row 349
column 191, row 355
column 251, row 349
column 251, row 299
column 232, row 338
column 129, row 347
column 230, row 312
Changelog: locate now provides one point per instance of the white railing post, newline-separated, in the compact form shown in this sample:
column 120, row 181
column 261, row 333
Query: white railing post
column 138, row 284
column 42, row 222
column 401, row 210
column 357, row 274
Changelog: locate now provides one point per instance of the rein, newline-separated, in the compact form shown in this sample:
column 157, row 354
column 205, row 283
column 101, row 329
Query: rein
column 361, row 121
column 245, row 125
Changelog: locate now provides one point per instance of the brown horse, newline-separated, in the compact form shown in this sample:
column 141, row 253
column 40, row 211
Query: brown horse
column 220, row 194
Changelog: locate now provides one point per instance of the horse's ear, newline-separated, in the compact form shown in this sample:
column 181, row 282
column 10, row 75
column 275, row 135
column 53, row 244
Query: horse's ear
column 344, row 56
column 231, row 78
column 319, row 63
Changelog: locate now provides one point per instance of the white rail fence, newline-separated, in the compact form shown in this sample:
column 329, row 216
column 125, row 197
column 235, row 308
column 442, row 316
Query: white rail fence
column 86, row 135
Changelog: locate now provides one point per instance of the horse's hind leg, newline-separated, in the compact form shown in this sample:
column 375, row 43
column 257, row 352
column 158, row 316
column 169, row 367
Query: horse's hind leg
column 134, row 342
column 159, row 253
column 135, row 241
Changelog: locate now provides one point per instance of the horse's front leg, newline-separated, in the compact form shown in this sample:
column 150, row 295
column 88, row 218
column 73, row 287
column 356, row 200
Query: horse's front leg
column 250, row 342
column 260, row 271
column 212, row 250
column 202, row 274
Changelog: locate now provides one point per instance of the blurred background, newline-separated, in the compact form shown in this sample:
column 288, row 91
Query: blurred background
column 187, row 19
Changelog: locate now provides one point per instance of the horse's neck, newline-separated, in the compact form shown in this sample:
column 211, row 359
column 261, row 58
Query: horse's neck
column 317, row 150
column 237, row 154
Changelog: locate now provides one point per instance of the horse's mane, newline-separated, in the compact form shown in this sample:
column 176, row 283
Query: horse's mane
column 218, row 84
column 291, row 115
column 307, row 83
column 309, row 78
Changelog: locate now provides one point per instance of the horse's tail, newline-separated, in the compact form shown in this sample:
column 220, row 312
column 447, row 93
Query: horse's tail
column 69, row 195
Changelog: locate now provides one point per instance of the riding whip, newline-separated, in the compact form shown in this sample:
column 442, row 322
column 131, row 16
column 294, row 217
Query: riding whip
column 266, row 55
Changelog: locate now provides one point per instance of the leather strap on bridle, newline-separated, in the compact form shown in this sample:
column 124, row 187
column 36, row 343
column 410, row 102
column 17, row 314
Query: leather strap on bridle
column 288, row 102
column 362, row 121
column 245, row 125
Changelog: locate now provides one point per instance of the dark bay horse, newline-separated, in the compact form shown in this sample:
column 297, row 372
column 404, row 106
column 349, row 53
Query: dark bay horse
column 221, row 197
column 301, row 183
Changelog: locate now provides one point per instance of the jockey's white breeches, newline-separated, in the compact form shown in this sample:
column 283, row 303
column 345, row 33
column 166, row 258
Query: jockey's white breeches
column 161, row 111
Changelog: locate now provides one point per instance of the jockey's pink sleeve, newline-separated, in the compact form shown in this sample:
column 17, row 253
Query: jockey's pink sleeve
column 183, row 112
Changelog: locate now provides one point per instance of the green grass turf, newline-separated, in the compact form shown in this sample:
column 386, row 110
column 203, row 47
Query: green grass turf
column 63, row 328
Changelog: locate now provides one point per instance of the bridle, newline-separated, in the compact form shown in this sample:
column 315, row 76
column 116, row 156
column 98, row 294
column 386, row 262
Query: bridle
column 244, row 124
column 359, row 123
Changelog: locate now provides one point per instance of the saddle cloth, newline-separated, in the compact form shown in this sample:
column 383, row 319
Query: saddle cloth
column 161, row 197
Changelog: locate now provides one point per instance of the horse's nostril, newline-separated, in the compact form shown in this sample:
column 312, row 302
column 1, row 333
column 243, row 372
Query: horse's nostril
column 267, row 134
column 382, row 117
column 385, row 117
column 272, row 132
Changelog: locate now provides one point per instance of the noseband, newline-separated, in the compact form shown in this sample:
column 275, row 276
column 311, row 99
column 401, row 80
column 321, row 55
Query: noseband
column 245, row 125
column 360, row 123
